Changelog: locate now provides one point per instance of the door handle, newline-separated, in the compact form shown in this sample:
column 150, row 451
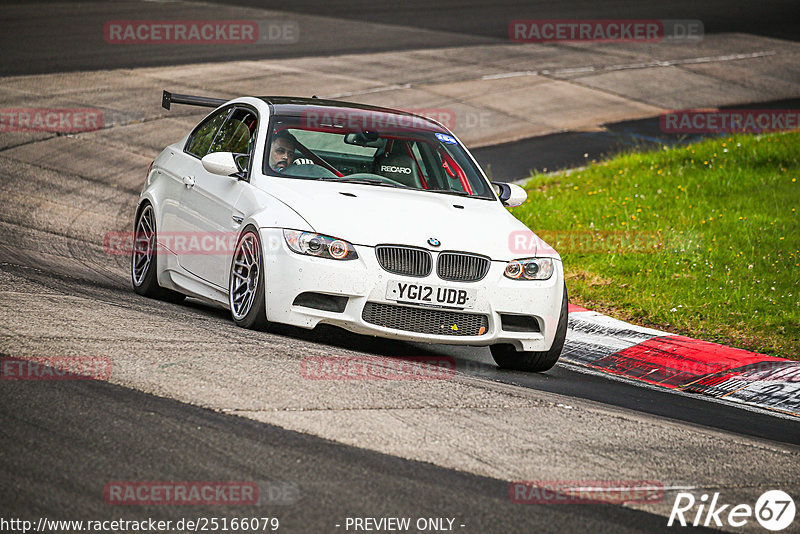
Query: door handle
column 237, row 219
column 188, row 181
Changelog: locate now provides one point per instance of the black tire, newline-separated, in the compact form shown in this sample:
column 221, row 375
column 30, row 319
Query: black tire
column 253, row 316
column 143, row 273
column 507, row 357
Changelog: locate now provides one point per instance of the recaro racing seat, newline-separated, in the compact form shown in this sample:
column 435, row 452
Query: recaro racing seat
column 397, row 164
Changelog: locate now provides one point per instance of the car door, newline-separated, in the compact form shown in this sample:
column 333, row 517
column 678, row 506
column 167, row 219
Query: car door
column 209, row 216
column 178, row 166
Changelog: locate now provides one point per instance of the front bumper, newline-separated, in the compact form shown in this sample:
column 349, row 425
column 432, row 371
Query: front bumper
column 362, row 281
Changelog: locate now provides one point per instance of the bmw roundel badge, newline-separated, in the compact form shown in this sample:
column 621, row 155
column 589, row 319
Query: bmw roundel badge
column 434, row 242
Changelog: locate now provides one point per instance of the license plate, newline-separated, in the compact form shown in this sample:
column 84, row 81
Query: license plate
column 413, row 293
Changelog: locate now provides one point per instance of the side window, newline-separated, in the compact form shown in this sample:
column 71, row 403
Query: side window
column 203, row 136
column 237, row 134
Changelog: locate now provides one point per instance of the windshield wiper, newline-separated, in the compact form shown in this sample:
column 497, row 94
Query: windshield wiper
column 449, row 192
column 365, row 181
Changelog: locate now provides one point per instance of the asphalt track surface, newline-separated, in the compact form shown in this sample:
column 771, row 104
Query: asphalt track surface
column 56, row 463
column 61, row 442
column 68, row 36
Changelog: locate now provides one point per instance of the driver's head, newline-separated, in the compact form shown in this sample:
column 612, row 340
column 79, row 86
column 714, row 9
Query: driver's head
column 281, row 151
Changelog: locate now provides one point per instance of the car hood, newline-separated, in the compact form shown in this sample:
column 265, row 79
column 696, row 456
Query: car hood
column 374, row 215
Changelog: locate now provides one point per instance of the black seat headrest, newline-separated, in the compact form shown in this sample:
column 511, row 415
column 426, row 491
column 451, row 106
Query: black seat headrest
column 397, row 165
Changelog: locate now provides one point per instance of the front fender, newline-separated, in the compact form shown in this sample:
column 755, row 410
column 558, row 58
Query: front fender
column 266, row 211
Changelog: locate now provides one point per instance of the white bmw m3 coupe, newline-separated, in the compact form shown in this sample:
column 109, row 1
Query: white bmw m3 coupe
column 305, row 211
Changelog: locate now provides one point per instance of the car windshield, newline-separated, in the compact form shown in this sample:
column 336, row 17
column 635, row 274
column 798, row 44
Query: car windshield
column 373, row 148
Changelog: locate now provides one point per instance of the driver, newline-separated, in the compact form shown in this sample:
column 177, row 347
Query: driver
column 281, row 152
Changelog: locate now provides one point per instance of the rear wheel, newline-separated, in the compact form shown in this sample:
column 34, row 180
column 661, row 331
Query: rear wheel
column 246, row 289
column 507, row 357
column 144, row 259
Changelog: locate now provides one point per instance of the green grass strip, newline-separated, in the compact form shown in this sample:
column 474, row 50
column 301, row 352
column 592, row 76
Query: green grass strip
column 701, row 240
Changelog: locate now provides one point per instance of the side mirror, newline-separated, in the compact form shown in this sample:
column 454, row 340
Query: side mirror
column 222, row 163
column 510, row 194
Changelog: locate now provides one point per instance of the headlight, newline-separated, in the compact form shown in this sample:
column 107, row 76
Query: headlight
column 322, row 246
column 530, row 269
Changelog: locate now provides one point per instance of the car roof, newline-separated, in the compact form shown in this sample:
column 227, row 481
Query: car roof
column 295, row 106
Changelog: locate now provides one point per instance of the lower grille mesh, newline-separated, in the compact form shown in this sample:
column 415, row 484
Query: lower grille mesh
column 424, row 321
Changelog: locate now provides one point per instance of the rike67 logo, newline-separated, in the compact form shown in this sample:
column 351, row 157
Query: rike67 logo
column 774, row 510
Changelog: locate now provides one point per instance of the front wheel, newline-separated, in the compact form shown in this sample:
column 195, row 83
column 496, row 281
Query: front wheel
column 246, row 289
column 507, row 357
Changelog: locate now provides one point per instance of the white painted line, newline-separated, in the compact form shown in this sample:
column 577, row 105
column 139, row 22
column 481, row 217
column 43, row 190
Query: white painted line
column 372, row 90
column 690, row 61
column 575, row 69
column 509, row 75
column 632, row 66
column 578, row 70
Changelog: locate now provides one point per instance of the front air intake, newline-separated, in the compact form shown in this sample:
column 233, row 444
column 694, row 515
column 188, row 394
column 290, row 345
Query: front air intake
column 425, row 321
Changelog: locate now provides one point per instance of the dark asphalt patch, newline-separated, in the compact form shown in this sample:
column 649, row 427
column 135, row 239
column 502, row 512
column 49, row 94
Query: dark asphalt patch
column 62, row 442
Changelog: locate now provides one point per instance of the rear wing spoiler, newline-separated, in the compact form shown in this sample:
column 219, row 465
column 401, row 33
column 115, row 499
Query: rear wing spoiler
column 169, row 98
